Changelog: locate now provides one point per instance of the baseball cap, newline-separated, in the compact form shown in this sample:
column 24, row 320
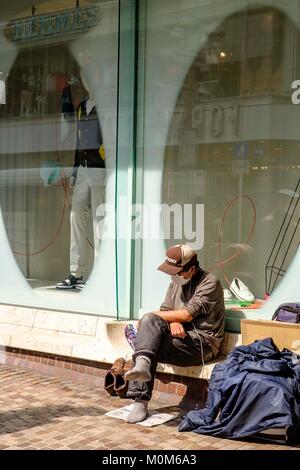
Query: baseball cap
column 177, row 257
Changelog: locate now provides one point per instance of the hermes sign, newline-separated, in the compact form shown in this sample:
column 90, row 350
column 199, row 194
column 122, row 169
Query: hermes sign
column 44, row 26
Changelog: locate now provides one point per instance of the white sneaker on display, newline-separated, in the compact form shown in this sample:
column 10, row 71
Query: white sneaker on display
column 240, row 290
column 227, row 294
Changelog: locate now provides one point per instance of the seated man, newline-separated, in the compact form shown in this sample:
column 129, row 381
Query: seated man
column 187, row 331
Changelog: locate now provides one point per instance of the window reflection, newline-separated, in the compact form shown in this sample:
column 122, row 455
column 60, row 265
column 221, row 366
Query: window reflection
column 229, row 148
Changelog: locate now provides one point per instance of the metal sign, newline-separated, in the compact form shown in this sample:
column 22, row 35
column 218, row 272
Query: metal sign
column 240, row 167
column 241, row 149
column 45, row 26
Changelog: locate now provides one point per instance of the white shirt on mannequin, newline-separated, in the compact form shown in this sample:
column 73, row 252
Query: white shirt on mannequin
column 2, row 92
column 89, row 105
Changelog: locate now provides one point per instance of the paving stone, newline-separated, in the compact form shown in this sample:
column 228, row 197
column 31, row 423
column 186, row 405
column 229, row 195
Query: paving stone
column 38, row 412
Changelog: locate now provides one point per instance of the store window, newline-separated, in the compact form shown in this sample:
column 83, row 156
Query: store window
column 58, row 95
column 217, row 129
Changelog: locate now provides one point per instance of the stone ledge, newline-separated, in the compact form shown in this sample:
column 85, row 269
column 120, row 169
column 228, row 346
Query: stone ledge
column 195, row 372
column 43, row 341
column 115, row 334
column 17, row 316
column 7, row 333
column 86, row 337
column 77, row 324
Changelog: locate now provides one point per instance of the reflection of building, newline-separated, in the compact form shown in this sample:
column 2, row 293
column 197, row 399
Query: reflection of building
column 230, row 120
column 210, row 120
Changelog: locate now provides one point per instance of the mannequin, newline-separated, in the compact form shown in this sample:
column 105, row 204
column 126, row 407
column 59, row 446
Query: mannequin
column 89, row 105
column 88, row 184
column 2, row 92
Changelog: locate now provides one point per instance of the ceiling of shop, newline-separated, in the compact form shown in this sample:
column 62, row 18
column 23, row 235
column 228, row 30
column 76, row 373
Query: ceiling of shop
column 13, row 7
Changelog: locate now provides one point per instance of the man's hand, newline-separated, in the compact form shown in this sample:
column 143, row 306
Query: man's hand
column 177, row 330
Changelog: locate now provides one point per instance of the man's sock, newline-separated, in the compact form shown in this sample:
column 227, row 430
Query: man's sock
column 139, row 412
column 141, row 370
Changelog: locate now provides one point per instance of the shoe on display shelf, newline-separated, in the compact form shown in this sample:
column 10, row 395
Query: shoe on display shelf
column 240, row 290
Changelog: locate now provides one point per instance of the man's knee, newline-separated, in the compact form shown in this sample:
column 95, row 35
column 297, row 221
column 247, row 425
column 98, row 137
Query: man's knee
column 150, row 318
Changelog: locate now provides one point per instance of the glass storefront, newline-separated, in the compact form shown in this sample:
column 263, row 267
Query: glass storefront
column 217, row 128
column 54, row 56
column 193, row 105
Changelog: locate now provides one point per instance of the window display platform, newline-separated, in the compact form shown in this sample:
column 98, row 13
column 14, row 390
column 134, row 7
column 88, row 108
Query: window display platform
column 48, row 288
column 234, row 315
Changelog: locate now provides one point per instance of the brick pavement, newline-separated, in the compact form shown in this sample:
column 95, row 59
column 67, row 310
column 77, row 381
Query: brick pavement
column 42, row 412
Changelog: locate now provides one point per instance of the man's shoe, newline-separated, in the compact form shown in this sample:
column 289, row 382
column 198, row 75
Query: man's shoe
column 70, row 283
column 130, row 334
column 240, row 290
column 110, row 379
column 121, row 384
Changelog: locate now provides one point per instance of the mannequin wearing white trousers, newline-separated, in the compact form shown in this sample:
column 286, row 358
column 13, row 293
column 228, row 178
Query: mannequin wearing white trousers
column 88, row 195
column 88, row 184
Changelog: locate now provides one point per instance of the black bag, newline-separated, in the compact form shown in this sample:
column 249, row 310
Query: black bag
column 289, row 313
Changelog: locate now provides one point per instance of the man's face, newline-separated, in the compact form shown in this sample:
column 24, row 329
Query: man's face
column 187, row 274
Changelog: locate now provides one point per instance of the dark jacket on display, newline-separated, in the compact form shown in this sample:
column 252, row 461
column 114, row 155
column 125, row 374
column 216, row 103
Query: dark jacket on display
column 89, row 144
column 256, row 388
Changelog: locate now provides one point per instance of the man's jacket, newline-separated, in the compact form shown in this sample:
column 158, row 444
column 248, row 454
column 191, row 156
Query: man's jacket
column 256, row 388
column 89, row 145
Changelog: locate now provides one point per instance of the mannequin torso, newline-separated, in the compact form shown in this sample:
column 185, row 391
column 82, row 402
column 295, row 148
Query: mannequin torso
column 2, row 92
column 90, row 103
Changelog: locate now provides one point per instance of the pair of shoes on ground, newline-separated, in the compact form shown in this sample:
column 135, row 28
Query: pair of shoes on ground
column 115, row 382
column 71, row 282
column 240, row 290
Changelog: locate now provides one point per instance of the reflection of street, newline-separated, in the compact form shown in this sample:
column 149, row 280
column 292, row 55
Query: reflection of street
column 229, row 127
column 37, row 134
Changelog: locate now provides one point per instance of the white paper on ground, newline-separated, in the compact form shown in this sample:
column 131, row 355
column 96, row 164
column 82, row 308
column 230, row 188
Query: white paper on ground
column 154, row 418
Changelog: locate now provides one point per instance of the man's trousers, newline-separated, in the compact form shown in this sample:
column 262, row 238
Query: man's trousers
column 155, row 341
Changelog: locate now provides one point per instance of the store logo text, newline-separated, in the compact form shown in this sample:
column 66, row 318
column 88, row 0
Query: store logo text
column 69, row 21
